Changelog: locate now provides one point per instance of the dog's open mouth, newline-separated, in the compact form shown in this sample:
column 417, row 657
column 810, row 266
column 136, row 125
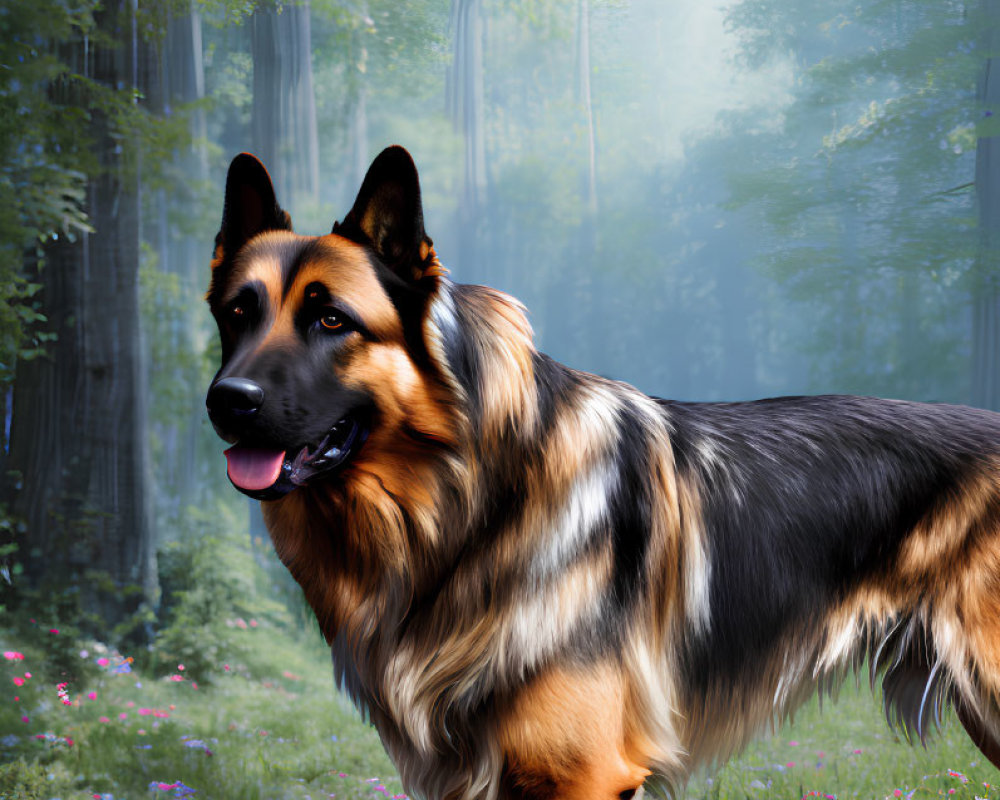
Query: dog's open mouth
column 268, row 473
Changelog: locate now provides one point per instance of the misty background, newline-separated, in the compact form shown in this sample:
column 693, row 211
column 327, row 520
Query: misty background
column 708, row 200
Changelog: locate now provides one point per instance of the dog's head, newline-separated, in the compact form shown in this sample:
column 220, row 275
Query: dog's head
column 325, row 365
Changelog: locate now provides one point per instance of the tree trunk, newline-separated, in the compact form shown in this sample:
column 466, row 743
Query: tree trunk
column 465, row 102
column 358, row 100
column 79, row 433
column 582, row 271
column 283, row 117
column 183, row 256
column 986, row 297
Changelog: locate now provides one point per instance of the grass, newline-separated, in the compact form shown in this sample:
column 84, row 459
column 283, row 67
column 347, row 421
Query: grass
column 845, row 750
column 272, row 728
column 280, row 733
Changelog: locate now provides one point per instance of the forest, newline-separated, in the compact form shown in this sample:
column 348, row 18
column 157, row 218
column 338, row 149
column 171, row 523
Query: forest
column 709, row 201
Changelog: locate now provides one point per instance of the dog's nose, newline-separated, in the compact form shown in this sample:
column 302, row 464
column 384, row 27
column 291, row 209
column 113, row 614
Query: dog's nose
column 233, row 401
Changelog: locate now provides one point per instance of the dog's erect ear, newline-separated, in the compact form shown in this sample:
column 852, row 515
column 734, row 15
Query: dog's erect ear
column 250, row 206
column 388, row 216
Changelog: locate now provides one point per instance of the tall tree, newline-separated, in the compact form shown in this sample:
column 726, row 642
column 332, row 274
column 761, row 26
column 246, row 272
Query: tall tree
column 986, row 285
column 465, row 102
column 178, row 236
column 283, row 119
column 78, row 429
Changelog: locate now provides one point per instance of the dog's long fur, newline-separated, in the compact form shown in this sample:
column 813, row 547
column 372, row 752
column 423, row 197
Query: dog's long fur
column 539, row 583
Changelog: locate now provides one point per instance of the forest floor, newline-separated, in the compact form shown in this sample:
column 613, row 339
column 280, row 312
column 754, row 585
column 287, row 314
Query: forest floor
column 279, row 731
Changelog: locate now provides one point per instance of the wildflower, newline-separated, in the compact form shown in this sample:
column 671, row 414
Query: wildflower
column 198, row 744
column 19, row 681
column 122, row 667
column 178, row 788
column 103, row 662
column 91, row 695
column 13, row 655
column 63, row 694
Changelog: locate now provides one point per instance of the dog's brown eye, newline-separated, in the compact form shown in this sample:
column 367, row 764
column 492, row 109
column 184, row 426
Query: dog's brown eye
column 331, row 322
column 238, row 312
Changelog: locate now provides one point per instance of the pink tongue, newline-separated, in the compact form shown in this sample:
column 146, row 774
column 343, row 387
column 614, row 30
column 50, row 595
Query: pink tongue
column 254, row 469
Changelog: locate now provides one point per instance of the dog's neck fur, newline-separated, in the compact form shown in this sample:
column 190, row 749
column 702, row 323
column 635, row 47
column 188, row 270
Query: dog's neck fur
column 379, row 607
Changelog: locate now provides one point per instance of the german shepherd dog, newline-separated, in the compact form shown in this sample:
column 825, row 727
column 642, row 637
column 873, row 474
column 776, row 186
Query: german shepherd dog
column 539, row 583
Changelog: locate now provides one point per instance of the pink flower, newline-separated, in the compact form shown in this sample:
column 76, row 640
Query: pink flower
column 123, row 715
column 176, row 678
column 897, row 792
column 856, row 752
column 24, row 718
column 793, row 743
column 19, row 681
column 102, row 662
column 790, row 764
column 91, row 695
column 180, row 667
column 27, row 674
column 54, row 630
column 13, row 655
column 103, row 719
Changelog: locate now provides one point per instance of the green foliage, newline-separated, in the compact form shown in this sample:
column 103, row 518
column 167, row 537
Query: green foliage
column 211, row 595
column 854, row 193
column 22, row 781
column 42, row 168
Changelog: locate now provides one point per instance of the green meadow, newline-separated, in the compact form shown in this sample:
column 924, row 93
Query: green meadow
column 79, row 721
